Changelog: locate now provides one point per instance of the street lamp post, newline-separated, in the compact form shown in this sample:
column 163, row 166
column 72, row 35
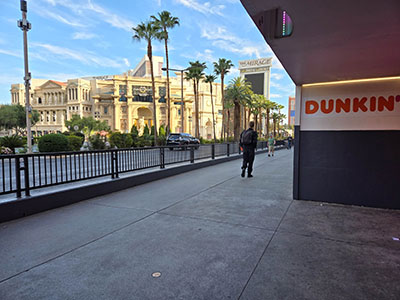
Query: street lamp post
column 182, row 105
column 25, row 27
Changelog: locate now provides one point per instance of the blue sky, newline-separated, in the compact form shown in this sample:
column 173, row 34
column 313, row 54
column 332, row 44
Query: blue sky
column 75, row 38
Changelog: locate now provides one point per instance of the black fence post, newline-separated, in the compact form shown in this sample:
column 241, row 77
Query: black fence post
column 26, row 175
column 116, row 164
column 192, row 154
column 18, row 176
column 162, row 157
column 112, row 165
column 213, row 151
column 227, row 149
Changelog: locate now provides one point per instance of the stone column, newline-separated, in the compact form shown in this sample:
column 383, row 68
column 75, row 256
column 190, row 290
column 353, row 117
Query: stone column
column 117, row 118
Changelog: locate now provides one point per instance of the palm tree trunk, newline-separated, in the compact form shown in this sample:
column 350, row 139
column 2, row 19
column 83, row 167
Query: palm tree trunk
column 236, row 121
column 268, row 112
column 213, row 116
column 197, row 111
column 248, row 116
column 260, row 125
column 150, row 55
column 256, row 121
column 168, row 92
column 196, row 115
column 223, row 106
column 274, row 121
column 229, row 120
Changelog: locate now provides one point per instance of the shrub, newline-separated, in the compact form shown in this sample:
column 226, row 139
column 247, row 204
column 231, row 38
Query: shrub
column 121, row 140
column 5, row 150
column 134, row 131
column 146, row 130
column 54, row 142
column 97, row 143
column 12, row 142
column 162, row 131
column 162, row 140
column 75, row 142
column 144, row 141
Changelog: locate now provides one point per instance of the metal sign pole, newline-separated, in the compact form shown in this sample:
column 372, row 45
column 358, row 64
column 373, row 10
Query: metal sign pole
column 25, row 27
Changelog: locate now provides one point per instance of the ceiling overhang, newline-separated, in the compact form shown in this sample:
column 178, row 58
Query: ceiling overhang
column 335, row 40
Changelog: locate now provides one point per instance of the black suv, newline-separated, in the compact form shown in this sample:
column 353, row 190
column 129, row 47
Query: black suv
column 182, row 139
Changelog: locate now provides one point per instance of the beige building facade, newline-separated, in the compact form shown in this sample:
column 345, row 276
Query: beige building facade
column 121, row 101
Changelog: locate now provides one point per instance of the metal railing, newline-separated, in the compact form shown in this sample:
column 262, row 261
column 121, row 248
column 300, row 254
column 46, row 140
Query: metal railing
column 25, row 172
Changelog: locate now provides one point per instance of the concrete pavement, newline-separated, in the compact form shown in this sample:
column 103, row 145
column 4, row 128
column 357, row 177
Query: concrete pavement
column 212, row 235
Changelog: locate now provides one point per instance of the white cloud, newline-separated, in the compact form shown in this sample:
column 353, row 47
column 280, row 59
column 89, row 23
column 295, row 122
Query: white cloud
column 126, row 61
column 204, row 8
column 206, row 56
column 99, row 13
column 85, row 57
column 276, row 76
column 83, row 36
column 228, row 41
column 275, row 96
column 11, row 53
column 234, row 72
column 55, row 15
column 109, row 17
column 288, row 88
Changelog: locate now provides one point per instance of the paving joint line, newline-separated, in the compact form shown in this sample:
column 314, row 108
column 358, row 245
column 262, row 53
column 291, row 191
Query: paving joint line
column 265, row 250
column 120, row 207
column 310, row 235
column 216, row 221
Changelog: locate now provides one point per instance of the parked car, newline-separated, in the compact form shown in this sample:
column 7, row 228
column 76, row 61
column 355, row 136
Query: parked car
column 182, row 139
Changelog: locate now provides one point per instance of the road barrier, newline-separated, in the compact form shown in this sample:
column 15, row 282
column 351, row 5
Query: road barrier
column 25, row 172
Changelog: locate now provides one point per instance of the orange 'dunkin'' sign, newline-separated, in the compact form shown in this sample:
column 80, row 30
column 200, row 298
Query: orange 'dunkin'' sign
column 366, row 105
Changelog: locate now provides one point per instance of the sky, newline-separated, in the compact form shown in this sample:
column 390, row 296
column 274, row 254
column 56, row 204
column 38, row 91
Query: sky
column 76, row 38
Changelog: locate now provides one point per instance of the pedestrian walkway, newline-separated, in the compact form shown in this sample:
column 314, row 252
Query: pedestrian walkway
column 204, row 234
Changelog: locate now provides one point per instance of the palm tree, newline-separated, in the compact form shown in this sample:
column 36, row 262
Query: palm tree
column 210, row 79
column 270, row 105
column 148, row 32
column 166, row 21
column 256, row 106
column 195, row 73
column 239, row 92
column 222, row 68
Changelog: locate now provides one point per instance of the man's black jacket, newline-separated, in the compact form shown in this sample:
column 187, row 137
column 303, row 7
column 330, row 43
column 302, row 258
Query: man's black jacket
column 253, row 139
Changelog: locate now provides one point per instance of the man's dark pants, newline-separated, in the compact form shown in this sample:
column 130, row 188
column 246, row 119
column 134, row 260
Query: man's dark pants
column 248, row 159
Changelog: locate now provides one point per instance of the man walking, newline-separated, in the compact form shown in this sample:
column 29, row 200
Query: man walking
column 248, row 141
column 271, row 145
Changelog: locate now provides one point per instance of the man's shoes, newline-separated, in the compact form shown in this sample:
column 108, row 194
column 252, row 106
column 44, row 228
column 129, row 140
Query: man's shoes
column 243, row 172
column 249, row 176
column 269, row 155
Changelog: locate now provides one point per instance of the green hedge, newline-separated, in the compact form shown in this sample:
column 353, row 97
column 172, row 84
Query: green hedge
column 54, row 143
column 75, row 142
column 121, row 140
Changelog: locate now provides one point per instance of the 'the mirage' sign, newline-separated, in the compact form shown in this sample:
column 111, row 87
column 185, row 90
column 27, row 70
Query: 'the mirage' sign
column 365, row 105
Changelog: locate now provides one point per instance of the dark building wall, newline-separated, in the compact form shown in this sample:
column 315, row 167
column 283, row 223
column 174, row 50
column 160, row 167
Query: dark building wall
column 349, row 167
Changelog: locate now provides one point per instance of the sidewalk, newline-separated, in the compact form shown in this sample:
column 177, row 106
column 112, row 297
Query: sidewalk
column 212, row 235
